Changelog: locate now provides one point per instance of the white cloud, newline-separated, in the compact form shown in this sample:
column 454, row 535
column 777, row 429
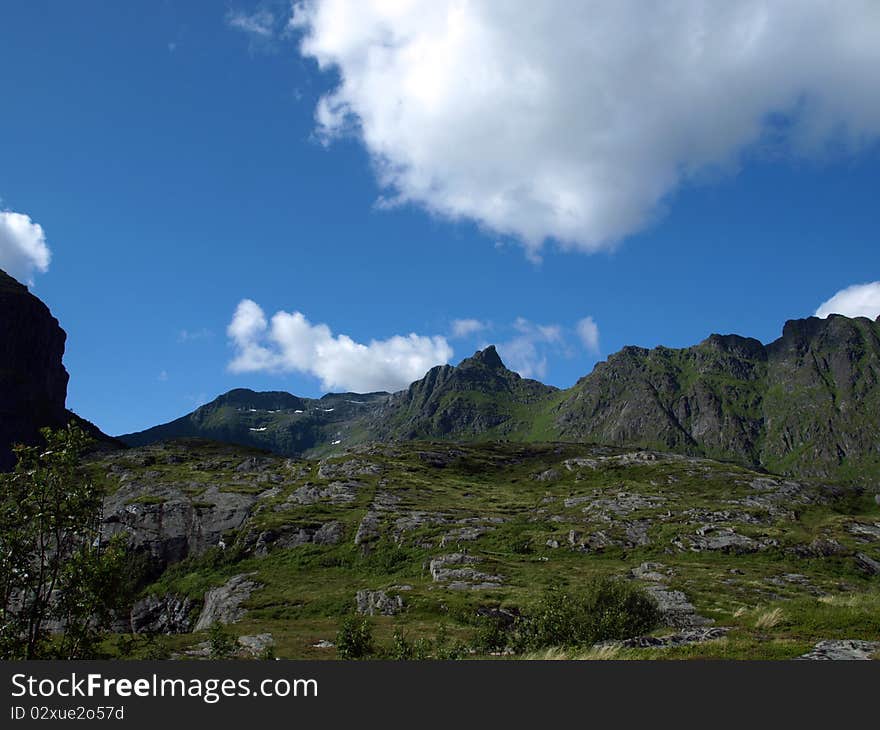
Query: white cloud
column 576, row 120
column 260, row 23
column 859, row 300
column 526, row 352
column 588, row 331
column 465, row 327
column 290, row 343
column 186, row 335
column 23, row 249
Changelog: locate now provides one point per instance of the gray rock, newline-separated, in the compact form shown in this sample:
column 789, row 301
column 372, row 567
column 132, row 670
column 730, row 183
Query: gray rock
column 384, row 501
column 256, row 645
column 623, row 503
column 416, row 519
column 636, row 533
column 223, row 604
column 460, row 585
column 580, row 463
column 334, row 493
column 169, row 614
column 868, row 564
column 842, row 649
column 439, row 459
column 454, row 569
column 653, row 572
column 868, row 532
column 723, row 539
column 594, row 542
column 168, row 524
column 368, row 529
column 372, row 603
column 255, row 464
column 819, row 548
column 680, row 638
column 350, row 469
column 291, row 536
column 550, row 475
column 462, row 534
column 675, row 609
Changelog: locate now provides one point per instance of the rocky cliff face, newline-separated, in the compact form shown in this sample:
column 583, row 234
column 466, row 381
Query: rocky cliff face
column 821, row 402
column 33, row 381
column 806, row 404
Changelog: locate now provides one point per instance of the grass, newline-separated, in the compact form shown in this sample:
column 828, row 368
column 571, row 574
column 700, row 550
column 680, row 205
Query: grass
column 306, row 591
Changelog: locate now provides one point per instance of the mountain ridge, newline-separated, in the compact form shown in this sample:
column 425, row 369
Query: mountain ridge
column 806, row 404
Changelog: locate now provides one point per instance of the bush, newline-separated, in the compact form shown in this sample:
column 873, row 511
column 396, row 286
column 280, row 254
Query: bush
column 446, row 649
column 607, row 609
column 493, row 634
column 222, row 643
column 354, row 640
column 402, row 649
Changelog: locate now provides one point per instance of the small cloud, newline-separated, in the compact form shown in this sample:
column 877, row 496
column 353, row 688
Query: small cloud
column 859, row 300
column 172, row 47
column 163, row 376
column 465, row 327
column 588, row 332
column 291, row 343
column 185, row 335
column 23, row 248
column 260, row 23
column 526, row 352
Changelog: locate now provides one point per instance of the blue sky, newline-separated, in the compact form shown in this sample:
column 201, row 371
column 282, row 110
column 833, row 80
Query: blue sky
column 170, row 152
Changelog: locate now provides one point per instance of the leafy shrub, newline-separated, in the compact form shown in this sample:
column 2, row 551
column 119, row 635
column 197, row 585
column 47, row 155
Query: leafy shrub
column 222, row 644
column 402, row 649
column 446, row 649
column 606, row 609
column 354, row 640
column 493, row 634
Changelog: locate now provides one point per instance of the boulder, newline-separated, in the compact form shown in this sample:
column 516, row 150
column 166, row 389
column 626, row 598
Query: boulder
column 842, row 649
column 868, row 564
column 168, row 614
column 165, row 522
column 223, row 604
column 372, row 603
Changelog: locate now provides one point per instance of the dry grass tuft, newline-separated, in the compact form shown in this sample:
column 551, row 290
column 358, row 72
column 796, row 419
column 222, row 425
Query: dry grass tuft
column 769, row 619
column 595, row 653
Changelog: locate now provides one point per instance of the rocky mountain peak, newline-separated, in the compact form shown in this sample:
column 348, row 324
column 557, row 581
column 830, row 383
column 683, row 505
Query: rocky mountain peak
column 488, row 358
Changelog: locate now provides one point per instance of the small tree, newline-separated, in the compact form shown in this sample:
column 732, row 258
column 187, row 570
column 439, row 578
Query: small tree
column 55, row 569
column 221, row 642
column 354, row 640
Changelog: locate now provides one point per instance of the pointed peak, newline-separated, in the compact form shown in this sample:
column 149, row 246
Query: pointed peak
column 487, row 357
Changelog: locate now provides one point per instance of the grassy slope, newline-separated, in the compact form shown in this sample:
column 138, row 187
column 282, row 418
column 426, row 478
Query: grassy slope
column 309, row 588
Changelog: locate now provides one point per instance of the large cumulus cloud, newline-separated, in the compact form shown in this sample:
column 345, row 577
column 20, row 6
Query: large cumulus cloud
column 575, row 121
